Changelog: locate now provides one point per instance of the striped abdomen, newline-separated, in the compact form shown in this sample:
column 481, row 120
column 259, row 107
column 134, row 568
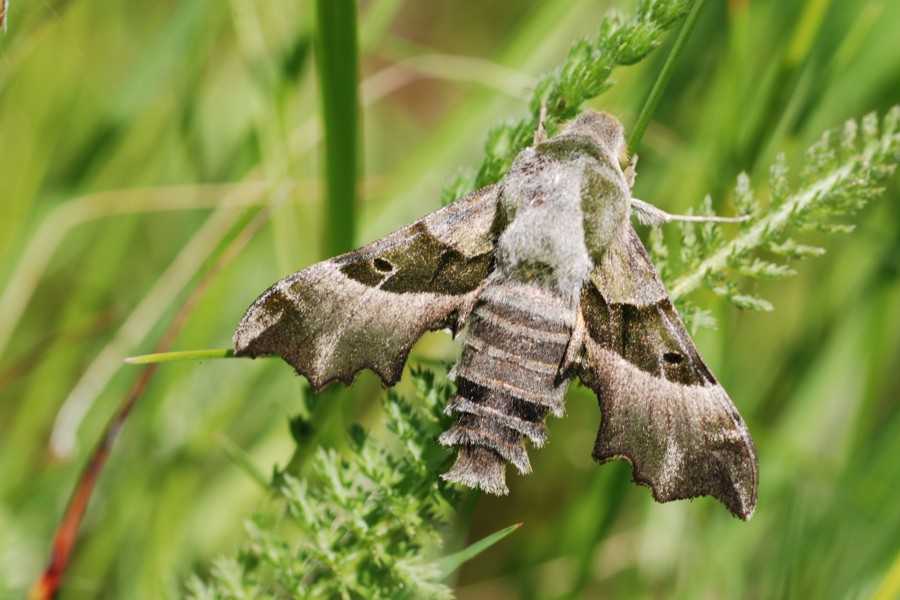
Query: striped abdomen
column 507, row 381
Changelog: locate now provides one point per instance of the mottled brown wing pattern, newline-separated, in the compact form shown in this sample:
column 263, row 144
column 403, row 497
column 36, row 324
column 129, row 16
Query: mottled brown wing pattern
column 366, row 308
column 661, row 408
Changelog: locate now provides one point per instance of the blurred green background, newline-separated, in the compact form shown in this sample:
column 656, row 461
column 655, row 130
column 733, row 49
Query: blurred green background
column 137, row 138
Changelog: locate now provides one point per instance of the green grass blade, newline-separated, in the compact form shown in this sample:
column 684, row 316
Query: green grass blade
column 336, row 55
column 243, row 460
column 165, row 357
column 448, row 564
column 662, row 80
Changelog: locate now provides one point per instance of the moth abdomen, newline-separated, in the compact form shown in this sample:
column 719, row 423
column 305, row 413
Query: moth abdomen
column 507, row 381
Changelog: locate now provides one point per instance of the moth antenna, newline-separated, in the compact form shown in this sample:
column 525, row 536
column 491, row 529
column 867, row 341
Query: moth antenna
column 652, row 216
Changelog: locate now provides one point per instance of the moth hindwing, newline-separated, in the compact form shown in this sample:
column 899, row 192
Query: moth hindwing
column 547, row 273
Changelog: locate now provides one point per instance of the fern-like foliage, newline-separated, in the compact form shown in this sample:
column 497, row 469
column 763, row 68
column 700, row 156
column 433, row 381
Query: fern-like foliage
column 584, row 75
column 842, row 172
column 361, row 525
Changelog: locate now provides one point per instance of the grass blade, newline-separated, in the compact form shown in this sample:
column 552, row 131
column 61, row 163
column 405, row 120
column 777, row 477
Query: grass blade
column 448, row 564
column 336, row 53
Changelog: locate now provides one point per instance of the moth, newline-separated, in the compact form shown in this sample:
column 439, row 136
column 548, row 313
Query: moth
column 552, row 282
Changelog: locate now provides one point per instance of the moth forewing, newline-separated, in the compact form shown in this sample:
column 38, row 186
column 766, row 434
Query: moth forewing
column 366, row 308
column 552, row 281
column 662, row 410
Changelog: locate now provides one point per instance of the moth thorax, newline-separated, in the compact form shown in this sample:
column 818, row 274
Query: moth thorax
column 543, row 241
column 606, row 205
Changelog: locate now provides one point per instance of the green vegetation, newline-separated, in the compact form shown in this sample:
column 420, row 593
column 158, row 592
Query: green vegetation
column 372, row 519
column 143, row 145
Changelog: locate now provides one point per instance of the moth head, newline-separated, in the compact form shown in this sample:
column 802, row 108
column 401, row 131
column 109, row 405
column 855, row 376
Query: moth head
column 605, row 131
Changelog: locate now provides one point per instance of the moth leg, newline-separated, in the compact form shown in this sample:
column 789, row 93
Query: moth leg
column 650, row 215
column 631, row 171
column 540, row 134
column 465, row 310
column 576, row 342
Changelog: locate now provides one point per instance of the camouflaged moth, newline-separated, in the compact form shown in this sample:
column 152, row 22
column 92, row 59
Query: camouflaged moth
column 547, row 273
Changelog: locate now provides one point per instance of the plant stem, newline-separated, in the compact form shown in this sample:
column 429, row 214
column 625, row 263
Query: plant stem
column 662, row 80
column 337, row 72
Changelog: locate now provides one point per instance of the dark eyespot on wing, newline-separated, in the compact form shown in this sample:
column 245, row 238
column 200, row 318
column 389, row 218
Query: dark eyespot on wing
column 382, row 265
column 673, row 357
